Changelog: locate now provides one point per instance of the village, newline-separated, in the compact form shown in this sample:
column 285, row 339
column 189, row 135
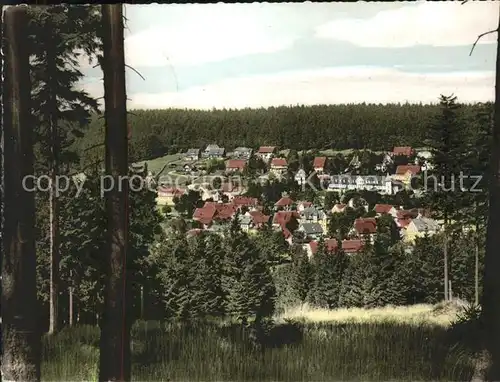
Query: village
column 302, row 222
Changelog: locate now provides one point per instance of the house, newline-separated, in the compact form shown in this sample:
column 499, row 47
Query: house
column 348, row 246
column 279, row 166
column 245, row 222
column 233, row 165
column 205, row 215
column 338, row 208
column 405, row 173
column 301, row 206
column 419, row 227
column 381, row 209
column 245, row 201
column 284, row 203
column 266, row 152
column 365, row 228
column 259, row 219
column 386, row 162
column 192, row 155
column 342, row 183
column 213, row 151
column 319, row 164
column 242, row 153
column 314, row 215
column 253, row 220
column 166, row 195
column 311, row 230
column 424, row 159
column 282, row 220
column 402, row 150
column 301, row 177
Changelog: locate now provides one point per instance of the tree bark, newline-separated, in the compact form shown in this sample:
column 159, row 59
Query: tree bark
column 116, row 320
column 491, row 281
column 20, row 334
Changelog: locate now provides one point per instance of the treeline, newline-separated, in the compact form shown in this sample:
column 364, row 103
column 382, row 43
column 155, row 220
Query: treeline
column 339, row 127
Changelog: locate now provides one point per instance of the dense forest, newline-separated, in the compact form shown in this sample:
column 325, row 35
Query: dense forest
column 339, row 127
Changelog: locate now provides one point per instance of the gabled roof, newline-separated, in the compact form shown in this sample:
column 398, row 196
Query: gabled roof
column 403, row 169
column 258, row 217
column 310, row 212
column 407, row 214
column 243, row 149
column 283, row 217
column 193, row 152
column 402, row 150
column 383, row 208
column 279, row 162
column 240, row 201
column 365, row 225
column 311, row 228
column 285, row 201
column 266, row 149
column 236, row 163
column 205, row 214
column 319, row 162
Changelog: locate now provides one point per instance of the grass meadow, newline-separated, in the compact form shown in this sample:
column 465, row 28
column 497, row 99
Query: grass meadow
column 398, row 344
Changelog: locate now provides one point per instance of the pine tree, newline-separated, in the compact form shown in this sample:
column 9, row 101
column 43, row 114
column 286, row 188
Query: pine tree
column 301, row 274
column 57, row 34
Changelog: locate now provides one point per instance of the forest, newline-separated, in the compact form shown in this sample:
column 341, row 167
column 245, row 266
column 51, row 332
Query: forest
column 337, row 127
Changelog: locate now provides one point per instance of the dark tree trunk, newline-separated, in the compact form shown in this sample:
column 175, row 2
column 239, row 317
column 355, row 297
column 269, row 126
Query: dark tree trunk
column 491, row 283
column 20, row 334
column 116, row 321
column 54, row 321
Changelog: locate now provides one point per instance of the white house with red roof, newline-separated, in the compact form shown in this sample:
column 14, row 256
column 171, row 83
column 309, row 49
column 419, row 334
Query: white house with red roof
column 233, row 165
column 279, row 166
column 319, row 164
column 266, row 153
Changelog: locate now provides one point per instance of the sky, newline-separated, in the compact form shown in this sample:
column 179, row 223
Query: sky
column 208, row 56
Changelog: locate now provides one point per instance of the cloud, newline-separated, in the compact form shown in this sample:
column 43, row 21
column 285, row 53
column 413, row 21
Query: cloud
column 326, row 86
column 206, row 34
column 424, row 23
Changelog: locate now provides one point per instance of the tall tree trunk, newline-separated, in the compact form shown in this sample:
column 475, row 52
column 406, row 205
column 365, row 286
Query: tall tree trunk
column 476, row 267
column 70, row 300
column 445, row 262
column 53, row 203
column 491, row 281
column 116, row 321
column 20, row 334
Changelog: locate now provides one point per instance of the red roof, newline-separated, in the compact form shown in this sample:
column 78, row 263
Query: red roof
column 283, row 217
column 245, row 201
column 413, row 169
column 365, row 225
column 266, row 149
column 170, row 191
column 279, row 162
column 402, row 150
column 383, row 208
column 236, row 164
column 349, row 246
column 319, row 162
column 284, row 202
column 205, row 214
column 259, row 218
column 223, row 211
column 407, row 214
column 402, row 223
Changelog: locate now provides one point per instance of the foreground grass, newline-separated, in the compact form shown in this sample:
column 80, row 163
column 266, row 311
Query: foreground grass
column 318, row 349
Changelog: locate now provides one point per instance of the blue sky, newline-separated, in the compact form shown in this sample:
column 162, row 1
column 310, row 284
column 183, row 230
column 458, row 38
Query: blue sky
column 253, row 55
